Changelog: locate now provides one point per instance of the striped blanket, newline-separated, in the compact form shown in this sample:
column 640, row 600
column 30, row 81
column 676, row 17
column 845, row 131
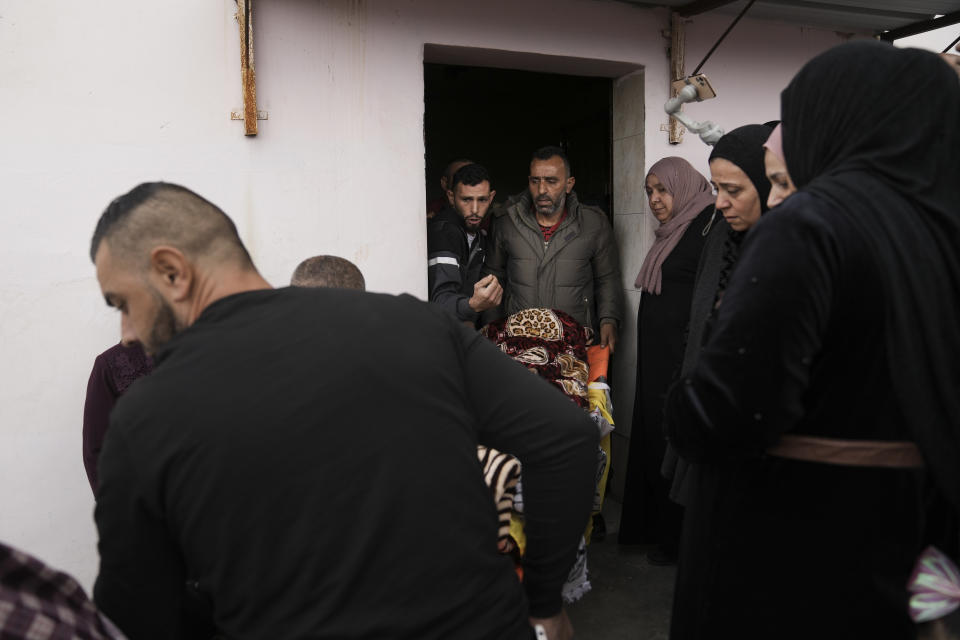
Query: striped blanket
column 501, row 472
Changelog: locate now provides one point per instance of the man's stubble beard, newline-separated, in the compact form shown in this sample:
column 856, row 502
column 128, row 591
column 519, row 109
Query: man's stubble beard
column 555, row 206
column 164, row 326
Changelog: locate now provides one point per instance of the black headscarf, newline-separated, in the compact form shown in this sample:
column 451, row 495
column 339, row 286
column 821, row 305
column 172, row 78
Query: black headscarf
column 873, row 132
column 744, row 147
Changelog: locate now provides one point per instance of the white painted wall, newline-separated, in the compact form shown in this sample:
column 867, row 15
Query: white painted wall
column 97, row 97
column 936, row 40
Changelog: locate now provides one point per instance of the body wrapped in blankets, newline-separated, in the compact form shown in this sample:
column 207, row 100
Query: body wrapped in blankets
column 551, row 344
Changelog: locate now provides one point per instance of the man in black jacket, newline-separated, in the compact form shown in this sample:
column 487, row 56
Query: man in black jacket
column 456, row 248
column 276, row 420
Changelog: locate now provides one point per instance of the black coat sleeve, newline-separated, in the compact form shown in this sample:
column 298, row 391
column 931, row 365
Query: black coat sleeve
column 445, row 258
column 556, row 443
column 749, row 383
column 496, row 260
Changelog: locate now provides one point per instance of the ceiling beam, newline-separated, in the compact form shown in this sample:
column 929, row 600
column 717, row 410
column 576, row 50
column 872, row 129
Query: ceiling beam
column 700, row 6
column 855, row 9
column 921, row 27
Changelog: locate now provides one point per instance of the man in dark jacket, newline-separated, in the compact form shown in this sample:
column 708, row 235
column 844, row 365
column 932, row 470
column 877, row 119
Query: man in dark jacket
column 550, row 251
column 456, row 248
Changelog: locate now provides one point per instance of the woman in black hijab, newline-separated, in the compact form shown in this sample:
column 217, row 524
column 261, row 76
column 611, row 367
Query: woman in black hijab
column 739, row 179
column 824, row 409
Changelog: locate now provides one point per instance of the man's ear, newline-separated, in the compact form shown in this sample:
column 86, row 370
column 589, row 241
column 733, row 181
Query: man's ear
column 570, row 182
column 172, row 272
column 450, row 197
column 493, row 194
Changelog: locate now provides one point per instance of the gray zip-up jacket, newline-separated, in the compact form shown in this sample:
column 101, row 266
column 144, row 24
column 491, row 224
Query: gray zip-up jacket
column 577, row 272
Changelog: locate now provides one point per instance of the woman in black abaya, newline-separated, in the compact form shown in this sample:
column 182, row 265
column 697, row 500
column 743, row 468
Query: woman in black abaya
column 737, row 171
column 682, row 201
column 824, row 409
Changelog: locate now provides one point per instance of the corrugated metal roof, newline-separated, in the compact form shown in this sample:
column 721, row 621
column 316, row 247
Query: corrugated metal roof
column 856, row 15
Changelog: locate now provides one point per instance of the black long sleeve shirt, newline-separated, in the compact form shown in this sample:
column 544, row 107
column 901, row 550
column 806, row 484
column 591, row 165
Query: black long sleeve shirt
column 308, row 457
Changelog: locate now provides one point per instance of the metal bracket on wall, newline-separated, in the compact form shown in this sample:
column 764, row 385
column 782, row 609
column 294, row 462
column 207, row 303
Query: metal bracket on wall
column 238, row 115
column 248, row 73
column 677, row 70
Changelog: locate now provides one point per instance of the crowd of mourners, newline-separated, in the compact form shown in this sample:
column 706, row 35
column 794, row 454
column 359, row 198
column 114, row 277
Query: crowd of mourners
column 318, row 461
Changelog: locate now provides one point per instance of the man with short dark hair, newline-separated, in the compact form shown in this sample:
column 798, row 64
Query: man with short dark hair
column 446, row 180
column 328, row 271
column 551, row 251
column 237, row 461
column 456, row 248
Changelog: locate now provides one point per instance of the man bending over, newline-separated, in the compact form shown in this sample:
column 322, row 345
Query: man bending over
column 237, row 461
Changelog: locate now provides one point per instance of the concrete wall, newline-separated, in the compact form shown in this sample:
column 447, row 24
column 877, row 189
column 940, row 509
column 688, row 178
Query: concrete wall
column 100, row 96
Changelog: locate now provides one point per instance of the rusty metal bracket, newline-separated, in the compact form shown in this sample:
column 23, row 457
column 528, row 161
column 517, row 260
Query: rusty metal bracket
column 248, row 73
column 677, row 70
column 239, row 115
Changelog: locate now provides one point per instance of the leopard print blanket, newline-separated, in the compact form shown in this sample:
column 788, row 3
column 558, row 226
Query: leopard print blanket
column 548, row 342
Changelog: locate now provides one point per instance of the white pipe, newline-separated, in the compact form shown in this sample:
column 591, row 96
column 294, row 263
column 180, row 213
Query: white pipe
column 709, row 132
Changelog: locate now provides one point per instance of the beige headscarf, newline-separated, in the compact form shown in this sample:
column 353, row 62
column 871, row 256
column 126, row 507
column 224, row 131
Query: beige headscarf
column 691, row 193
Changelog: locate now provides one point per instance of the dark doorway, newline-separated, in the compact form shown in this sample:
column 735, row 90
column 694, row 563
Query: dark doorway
column 498, row 117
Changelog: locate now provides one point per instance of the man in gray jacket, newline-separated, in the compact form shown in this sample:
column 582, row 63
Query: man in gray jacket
column 550, row 251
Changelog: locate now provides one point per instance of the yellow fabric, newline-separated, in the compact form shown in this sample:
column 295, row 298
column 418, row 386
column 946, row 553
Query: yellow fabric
column 516, row 532
column 598, row 400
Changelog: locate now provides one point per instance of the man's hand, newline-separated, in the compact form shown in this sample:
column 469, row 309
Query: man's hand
column 487, row 294
column 608, row 335
column 558, row 627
